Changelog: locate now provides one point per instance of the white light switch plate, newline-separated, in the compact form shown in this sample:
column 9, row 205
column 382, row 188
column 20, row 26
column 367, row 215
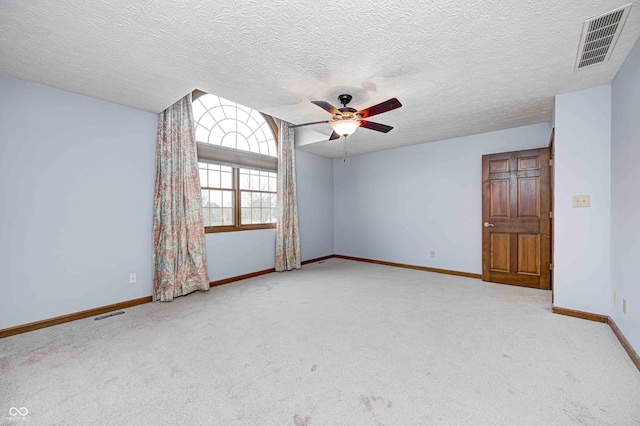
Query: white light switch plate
column 580, row 201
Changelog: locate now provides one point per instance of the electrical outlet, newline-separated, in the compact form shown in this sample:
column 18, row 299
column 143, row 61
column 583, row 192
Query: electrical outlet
column 432, row 253
column 132, row 278
column 580, row 201
column 624, row 306
column 615, row 297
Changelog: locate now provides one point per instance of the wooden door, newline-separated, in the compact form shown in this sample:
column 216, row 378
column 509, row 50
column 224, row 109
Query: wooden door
column 515, row 218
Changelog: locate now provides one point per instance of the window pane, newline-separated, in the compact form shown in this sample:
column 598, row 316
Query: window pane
column 203, row 177
column 243, row 108
column 209, row 101
column 260, row 132
column 214, row 167
column 227, row 199
column 216, row 135
column 265, row 200
column 255, row 200
column 242, row 115
column 217, row 114
column 215, row 198
column 255, row 215
column 214, row 179
column 241, row 143
column 273, row 187
column 226, row 180
column 216, row 217
column 228, row 216
column 254, row 183
column 266, row 215
column 224, row 101
column 244, row 180
column 198, row 110
column 245, row 200
column 207, row 121
column 253, row 124
column 227, row 169
column 228, row 126
column 253, row 143
column 264, row 149
column 243, row 129
column 202, row 134
column 246, row 216
column 205, row 198
column 257, row 116
column 264, row 182
column 274, row 200
column 271, row 144
column 274, row 215
column 205, row 216
column 230, row 111
column 229, row 140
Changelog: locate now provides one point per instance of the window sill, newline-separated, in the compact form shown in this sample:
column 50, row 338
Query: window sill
column 215, row 230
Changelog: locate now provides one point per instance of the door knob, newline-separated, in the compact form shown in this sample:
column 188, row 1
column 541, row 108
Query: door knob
column 487, row 224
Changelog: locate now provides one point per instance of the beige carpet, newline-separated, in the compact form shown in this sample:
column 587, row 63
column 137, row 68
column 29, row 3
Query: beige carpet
column 337, row 343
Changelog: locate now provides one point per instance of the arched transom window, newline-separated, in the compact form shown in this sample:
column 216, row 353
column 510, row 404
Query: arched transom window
column 231, row 125
column 237, row 159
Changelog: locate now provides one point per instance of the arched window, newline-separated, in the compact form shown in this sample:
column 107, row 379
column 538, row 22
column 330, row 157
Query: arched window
column 237, row 154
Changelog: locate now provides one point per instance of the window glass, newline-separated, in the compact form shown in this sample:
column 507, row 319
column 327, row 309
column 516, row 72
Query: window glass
column 235, row 197
column 222, row 122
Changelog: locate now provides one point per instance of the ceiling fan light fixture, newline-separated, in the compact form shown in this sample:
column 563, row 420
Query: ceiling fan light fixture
column 345, row 127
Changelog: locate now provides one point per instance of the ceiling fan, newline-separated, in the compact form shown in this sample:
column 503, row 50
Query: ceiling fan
column 346, row 120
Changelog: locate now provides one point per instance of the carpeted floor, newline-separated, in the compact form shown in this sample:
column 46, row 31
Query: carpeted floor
column 336, row 343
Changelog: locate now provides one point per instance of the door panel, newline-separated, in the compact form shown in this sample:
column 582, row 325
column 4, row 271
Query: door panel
column 500, row 198
column 529, row 254
column 500, row 252
column 515, row 214
column 529, row 163
column 499, row 166
column 528, row 197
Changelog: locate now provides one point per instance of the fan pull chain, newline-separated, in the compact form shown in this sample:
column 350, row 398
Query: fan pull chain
column 344, row 160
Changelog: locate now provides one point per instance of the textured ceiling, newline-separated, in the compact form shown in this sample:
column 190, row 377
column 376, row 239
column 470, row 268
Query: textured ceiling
column 458, row 66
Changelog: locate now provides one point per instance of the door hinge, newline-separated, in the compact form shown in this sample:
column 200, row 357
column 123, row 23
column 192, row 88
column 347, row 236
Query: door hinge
column 550, row 215
column 551, row 266
column 550, row 161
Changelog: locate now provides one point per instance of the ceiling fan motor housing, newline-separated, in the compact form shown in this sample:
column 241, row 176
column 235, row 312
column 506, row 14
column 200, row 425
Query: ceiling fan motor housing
column 345, row 99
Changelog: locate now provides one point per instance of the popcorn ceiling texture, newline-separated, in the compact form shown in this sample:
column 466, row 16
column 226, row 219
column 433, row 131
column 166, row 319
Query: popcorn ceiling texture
column 459, row 66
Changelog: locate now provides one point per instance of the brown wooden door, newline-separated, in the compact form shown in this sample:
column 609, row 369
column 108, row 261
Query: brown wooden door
column 515, row 218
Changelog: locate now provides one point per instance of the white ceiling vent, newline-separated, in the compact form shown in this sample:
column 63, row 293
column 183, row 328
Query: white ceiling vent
column 599, row 36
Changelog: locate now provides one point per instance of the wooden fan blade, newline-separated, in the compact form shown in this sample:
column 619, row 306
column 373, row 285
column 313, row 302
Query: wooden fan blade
column 333, row 136
column 307, row 124
column 380, row 108
column 375, row 126
column 326, row 106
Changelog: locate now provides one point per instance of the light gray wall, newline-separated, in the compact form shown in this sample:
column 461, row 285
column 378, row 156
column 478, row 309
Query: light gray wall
column 625, row 204
column 76, row 184
column 230, row 254
column 315, row 204
column 397, row 205
column 582, row 253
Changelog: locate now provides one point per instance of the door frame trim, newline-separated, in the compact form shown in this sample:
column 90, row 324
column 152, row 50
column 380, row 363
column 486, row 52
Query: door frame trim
column 552, row 204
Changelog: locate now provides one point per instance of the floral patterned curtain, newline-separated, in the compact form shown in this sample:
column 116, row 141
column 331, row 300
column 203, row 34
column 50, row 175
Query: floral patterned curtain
column 287, row 233
column 179, row 252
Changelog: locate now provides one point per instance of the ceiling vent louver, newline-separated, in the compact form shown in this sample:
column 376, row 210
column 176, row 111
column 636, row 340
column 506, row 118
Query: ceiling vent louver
column 599, row 36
